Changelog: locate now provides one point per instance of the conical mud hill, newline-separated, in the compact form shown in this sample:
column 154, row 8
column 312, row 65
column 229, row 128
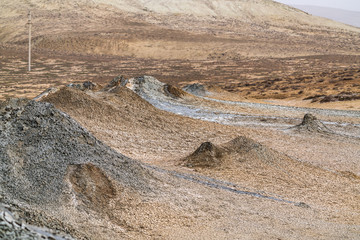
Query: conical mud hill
column 150, row 88
column 207, row 155
column 195, row 89
column 311, row 124
column 109, row 107
column 42, row 149
column 231, row 154
column 253, row 164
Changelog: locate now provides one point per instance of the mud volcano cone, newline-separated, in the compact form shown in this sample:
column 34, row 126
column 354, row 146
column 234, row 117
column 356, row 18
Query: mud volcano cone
column 195, row 89
column 235, row 152
column 311, row 124
column 207, row 155
column 42, row 149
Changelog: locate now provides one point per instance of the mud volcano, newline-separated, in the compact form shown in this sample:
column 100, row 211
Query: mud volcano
column 149, row 87
column 195, row 89
column 42, row 149
column 207, row 155
column 239, row 151
column 311, row 124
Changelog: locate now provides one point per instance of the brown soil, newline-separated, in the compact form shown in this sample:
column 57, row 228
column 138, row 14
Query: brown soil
column 134, row 121
column 242, row 160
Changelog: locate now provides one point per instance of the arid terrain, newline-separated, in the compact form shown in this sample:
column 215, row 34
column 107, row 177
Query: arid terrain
column 178, row 120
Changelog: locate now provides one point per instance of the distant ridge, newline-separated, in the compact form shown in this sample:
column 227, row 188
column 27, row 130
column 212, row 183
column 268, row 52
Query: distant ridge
column 259, row 12
column 339, row 15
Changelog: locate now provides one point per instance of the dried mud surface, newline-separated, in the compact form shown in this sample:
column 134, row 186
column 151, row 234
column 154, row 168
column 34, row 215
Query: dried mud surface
column 248, row 129
column 286, row 184
column 299, row 165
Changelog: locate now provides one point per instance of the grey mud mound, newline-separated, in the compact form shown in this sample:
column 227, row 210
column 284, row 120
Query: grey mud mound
column 150, row 88
column 237, row 151
column 41, row 146
column 195, row 89
column 311, row 124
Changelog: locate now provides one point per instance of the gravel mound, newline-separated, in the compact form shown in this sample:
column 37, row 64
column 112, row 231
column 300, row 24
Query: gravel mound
column 41, row 145
column 311, row 124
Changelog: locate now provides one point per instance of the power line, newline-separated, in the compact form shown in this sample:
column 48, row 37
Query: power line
column 29, row 23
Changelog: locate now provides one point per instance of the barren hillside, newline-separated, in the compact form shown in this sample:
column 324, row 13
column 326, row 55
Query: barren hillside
column 123, row 26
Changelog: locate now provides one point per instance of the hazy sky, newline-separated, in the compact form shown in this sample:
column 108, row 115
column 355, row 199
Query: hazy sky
column 353, row 5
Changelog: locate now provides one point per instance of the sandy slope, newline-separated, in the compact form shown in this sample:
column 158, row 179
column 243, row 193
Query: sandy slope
column 252, row 18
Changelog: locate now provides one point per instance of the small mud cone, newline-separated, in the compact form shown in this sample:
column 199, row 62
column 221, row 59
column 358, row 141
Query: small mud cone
column 311, row 124
column 117, row 81
column 207, row 155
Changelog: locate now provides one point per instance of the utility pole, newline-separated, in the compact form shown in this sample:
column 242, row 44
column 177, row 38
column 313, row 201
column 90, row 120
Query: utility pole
column 29, row 23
